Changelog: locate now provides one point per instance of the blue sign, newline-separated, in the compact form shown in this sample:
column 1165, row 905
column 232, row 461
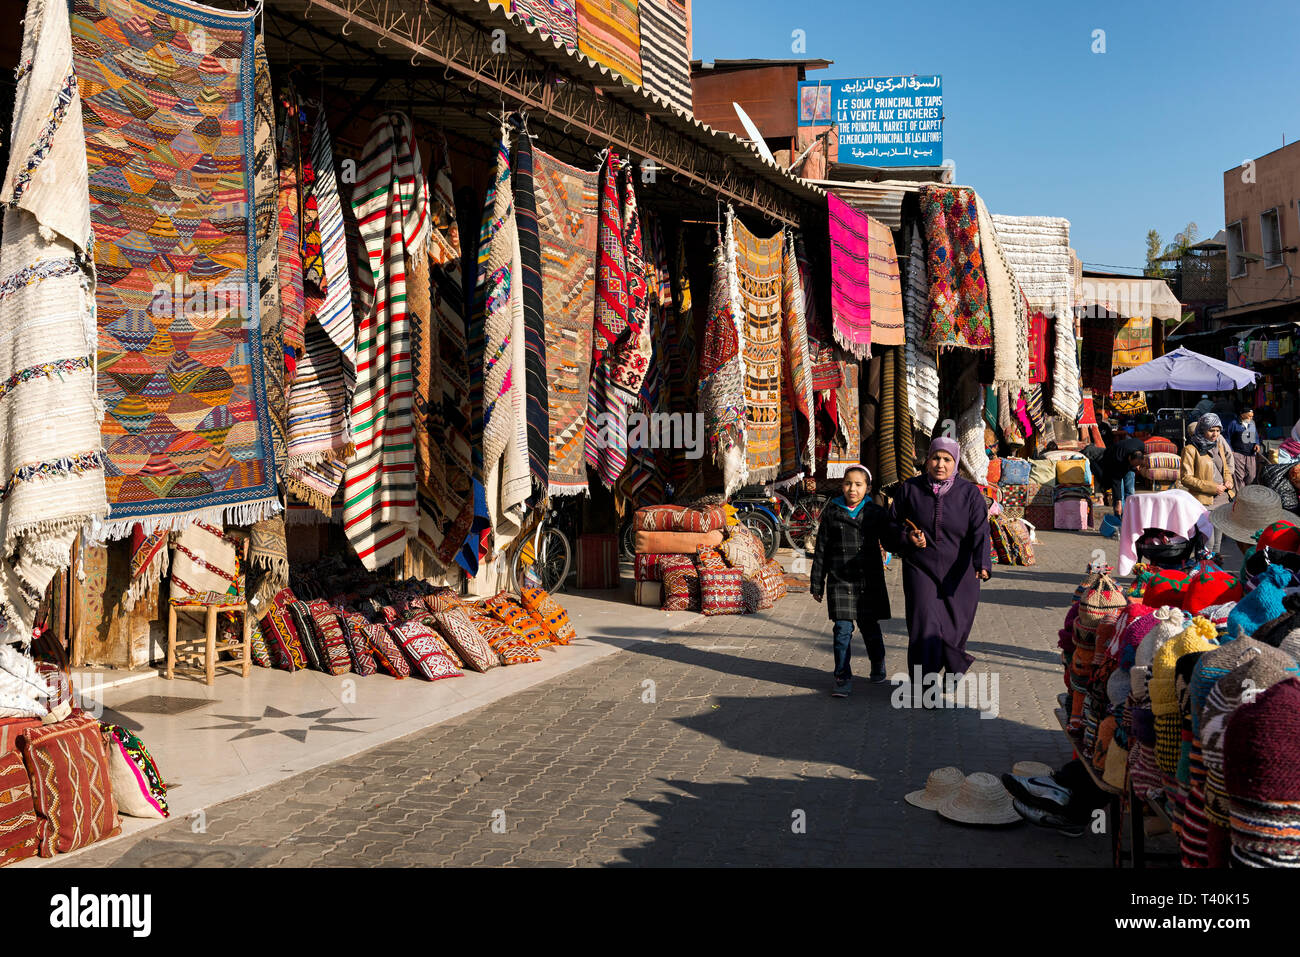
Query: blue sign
column 880, row 120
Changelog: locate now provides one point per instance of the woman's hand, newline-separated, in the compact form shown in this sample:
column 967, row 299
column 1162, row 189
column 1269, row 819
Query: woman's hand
column 983, row 574
column 917, row 538
column 1220, row 489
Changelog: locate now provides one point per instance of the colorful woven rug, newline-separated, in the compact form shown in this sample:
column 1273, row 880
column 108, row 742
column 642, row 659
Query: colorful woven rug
column 566, row 219
column 886, row 289
column 536, row 392
column 797, row 450
column 665, row 65
column 759, row 271
column 391, row 204
column 51, row 465
column 1132, row 344
column 558, row 19
column 1097, row 354
column 609, row 33
column 959, row 313
column 722, row 379
column 187, row 432
column 850, row 277
column 846, row 444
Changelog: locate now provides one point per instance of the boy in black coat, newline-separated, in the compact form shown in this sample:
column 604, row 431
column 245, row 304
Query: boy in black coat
column 848, row 570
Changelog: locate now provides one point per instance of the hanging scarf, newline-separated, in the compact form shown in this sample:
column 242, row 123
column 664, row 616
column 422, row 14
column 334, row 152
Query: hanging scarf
column 391, row 203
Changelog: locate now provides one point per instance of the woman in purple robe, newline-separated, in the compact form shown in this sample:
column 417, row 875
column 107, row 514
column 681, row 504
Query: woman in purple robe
column 944, row 565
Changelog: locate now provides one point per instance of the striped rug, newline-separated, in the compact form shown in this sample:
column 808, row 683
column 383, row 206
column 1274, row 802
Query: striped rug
column 886, row 291
column 557, row 19
column 266, row 188
column 566, row 219
column 665, row 64
column 850, row 277
column 797, row 450
column 391, row 203
column 609, row 32
column 758, row 266
column 536, row 393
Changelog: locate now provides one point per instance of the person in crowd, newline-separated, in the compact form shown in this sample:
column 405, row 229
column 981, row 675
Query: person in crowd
column 848, row 570
column 945, row 558
column 1205, row 406
column 1207, row 468
column 1119, row 465
column 1243, row 439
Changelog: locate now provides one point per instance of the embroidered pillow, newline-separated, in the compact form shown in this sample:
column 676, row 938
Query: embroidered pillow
column 424, row 651
column 529, row 627
column 138, row 786
column 681, row 588
column 720, row 591
column 359, row 651
column 505, row 641
column 470, row 646
column 70, row 785
column 751, row 593
column 552, row 616
column 299, row 613
column 772, row 579
column 325, row 620
column 388, row 657
column 706, row 557
column 19, row 826
column 441, row 599
column 284, row 638
column 258, row 649
column 743, row 550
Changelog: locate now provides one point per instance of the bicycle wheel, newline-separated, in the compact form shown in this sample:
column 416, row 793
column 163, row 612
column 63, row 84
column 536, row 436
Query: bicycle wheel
column 762, row 526
column 544, row 562
column 627, row 539
column 803, row 520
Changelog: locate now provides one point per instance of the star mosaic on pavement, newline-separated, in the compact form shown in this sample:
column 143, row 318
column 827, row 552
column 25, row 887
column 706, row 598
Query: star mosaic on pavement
column 275, row 721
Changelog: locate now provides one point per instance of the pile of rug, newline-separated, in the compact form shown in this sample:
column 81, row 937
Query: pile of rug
column 187, row 432
column 50, row 452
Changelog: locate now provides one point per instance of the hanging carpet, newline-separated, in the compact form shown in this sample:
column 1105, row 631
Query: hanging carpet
column 760, row 277
column 536, row 392
column 609, row 32
column 922, row 369
column 797, row 449
column 665, row 66
column 959, row 313
column 850, row 277
column 557, row 19
column 886, row 289
column 722, row 379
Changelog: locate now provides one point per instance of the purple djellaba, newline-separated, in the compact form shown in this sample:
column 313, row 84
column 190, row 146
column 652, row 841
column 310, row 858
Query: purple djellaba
column 941, row 581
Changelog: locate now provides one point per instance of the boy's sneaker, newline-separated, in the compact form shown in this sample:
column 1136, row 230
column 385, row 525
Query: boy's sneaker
column 878, row 675
column 843, row 687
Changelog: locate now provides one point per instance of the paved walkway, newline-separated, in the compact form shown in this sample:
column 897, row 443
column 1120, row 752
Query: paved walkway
column 715, row 745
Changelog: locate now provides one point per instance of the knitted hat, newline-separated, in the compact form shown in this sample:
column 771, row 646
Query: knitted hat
column 1254, row 509
column 1118, row 686
column 1218, row 614
column 1261, row 605
column 1169, row 622
column 1279, row 629
column 1199, row 635
column 1132, row 637
column 1208, row 584
column 1165, row 588
column 1259, row 671
column 1212, row 666
column 1183, row 669
column 1065, row 637
column 1261, row 758
column 1102, row 601
column 1283, row 535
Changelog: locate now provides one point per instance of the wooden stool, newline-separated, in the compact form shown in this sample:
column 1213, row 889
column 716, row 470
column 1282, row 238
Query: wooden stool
column 210, row 650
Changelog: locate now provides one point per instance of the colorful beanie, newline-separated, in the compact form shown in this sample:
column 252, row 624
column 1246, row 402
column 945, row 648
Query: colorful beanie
column 1199, row 635
column 1261, row 605
column 1258, row 672
column 1261, row 758
column 1277, row 631
column 1169, row 622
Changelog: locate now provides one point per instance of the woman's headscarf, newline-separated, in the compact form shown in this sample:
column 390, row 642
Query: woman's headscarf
column 943, row 444
column 1203, row 444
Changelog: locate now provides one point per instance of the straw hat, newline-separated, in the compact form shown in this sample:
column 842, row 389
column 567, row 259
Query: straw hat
column 1253, row 510
column 939, row 786
column 981, row 799
column 1031, row 769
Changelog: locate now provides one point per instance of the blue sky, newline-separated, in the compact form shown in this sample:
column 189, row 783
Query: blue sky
column 1116, row 142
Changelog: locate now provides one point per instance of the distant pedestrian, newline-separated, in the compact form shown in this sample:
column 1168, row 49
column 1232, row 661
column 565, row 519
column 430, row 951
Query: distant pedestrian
column 1207, row 468
column 1119, row 467
column 944, row 560
column 1243, row 439
column 848, row 570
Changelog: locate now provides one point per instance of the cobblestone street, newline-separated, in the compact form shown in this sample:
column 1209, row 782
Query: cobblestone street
column 717, row 762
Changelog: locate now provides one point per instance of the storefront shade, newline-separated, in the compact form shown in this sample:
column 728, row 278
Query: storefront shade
column 1186, row 370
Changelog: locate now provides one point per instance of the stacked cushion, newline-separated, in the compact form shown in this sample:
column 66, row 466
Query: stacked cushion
column 71, row 791
column 19, row 826
column 721, row 591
